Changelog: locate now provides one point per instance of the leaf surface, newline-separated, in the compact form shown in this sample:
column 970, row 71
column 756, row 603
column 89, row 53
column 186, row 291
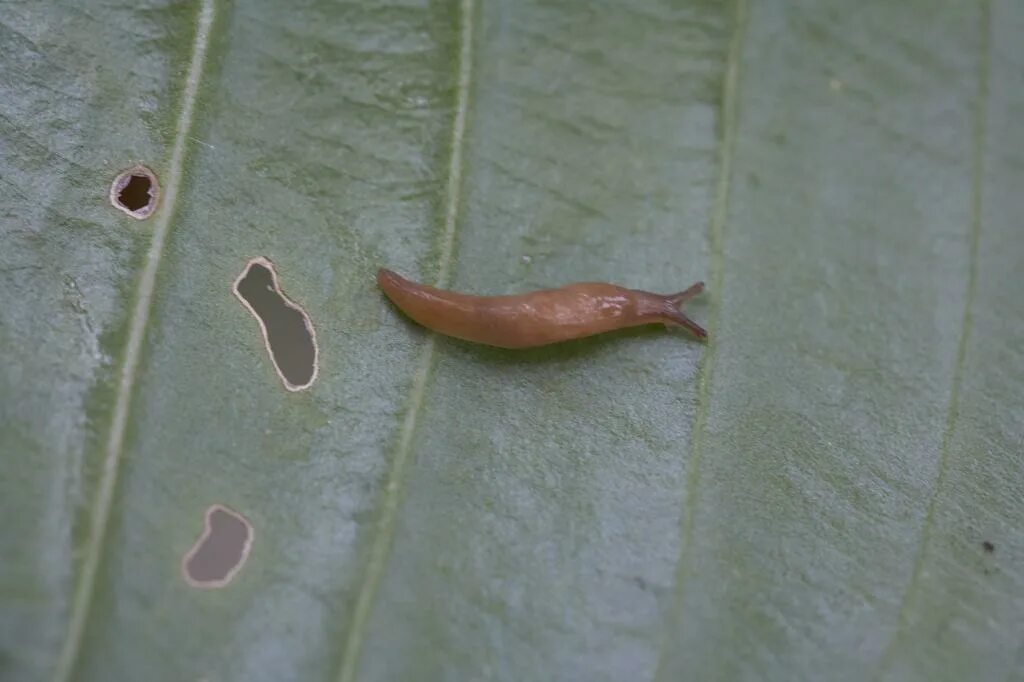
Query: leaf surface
column 831, row 488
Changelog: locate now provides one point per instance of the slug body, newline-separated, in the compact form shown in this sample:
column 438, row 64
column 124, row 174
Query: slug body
column 537, row 318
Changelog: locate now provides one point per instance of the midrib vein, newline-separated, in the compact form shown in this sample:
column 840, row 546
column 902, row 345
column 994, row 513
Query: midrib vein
column 726, row 147
column 101, row 506
column 953, row 410
column 392, row 491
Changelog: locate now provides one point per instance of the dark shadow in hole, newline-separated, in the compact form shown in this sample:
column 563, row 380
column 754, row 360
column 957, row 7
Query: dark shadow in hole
column 221, row 550
column 135, row 194
column 135, row 191
column 287, row 330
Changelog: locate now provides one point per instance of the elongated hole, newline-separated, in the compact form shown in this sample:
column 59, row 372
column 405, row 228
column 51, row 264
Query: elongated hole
column 287, row 330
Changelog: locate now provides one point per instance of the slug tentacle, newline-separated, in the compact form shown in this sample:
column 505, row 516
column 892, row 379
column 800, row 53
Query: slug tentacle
column 540, row 317
column 677, row 316
column 685, row 295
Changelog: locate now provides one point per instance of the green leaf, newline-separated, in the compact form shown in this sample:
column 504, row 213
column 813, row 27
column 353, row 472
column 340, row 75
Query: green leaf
column 830, row 489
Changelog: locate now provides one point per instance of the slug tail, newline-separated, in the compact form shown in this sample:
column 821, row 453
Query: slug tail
column 389, row 280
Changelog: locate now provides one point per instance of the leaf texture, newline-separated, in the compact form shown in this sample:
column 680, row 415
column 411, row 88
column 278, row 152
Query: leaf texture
column 831, row 488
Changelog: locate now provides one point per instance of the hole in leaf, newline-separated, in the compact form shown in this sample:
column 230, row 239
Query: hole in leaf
column 136, row 192
column 287, row 330
column 220, row 551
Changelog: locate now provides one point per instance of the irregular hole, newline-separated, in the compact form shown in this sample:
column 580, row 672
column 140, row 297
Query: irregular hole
column 220, row 551
column 988, row 547
column 135, row 191
column 287, row 330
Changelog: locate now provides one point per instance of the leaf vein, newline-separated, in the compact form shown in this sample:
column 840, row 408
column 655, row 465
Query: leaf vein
column 381, row 546
column 953, row 411
column 726, row 149
column 101, row 507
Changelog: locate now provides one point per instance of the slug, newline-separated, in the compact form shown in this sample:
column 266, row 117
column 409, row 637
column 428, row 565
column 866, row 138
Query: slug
column 537, row 318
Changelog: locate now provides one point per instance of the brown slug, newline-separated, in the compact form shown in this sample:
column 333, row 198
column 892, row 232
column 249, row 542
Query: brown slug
column 539, row 317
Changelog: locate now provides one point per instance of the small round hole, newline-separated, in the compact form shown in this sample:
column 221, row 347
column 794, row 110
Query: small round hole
column 135, row 191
